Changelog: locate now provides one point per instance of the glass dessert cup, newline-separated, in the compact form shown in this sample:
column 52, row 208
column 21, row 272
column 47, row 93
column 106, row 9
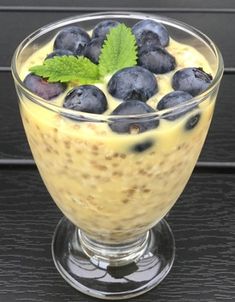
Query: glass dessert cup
column 115, row 189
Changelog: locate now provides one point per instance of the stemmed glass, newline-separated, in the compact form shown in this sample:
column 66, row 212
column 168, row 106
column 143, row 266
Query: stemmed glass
column 115, row 190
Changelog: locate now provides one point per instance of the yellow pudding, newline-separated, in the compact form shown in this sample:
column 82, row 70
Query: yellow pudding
column 105, row 182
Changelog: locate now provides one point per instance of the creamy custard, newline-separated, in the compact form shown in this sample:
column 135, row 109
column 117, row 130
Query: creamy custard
column 95, row 176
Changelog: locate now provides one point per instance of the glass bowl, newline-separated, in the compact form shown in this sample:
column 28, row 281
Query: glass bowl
column 115, row 189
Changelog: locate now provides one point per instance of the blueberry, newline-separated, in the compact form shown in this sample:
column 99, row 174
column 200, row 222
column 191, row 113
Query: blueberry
column 59, row 53
column 173, row 99
column 133, row 83
column 141, row 147
column 147, row 40
column 192, row 80
column 150, row 25
column 93, row 50
column 157, row 60
column 103, row 28
column 72, row 38
column 42, row 88
column 86, row 98
column 192, row 121
column 132, row 125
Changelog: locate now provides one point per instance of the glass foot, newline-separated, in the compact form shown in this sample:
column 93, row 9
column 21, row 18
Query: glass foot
column 92, row 274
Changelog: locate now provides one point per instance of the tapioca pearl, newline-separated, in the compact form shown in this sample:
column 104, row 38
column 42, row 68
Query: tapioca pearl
column 142, row 172
column 85, row 175
column 117, row 173
column 129, row 192
column 90, row 198
column 67, row 144
column 115, row 155
column 100, row 167
column 192, row 121
column 70, row 160
column 94, row 147
column 26, row 119
column 41, row 135
column 115, row 165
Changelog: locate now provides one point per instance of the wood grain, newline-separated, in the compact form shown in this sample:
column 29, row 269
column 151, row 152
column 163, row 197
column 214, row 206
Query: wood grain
column 218, row 147
column 203, row 222
column 19, row 29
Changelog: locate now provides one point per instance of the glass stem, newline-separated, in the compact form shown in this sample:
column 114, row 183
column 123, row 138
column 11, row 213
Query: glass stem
column 113, row 255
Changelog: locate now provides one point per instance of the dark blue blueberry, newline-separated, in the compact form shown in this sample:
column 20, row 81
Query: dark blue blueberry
column 133, row 125
column 72, row 38
column 103, row 28
column 192, row 80
column 59, row 53
column 157, row 60
column 148, row 40
column 93, row 50
column 173, row 99
column 141, row 147
column 192, row 121
column 133, row 83
column 150, row 25
column 86, row 98
column 42, row 88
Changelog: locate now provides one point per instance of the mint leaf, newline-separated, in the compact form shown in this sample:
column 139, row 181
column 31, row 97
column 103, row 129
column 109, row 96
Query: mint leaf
column 68, row 68
column 119, row 50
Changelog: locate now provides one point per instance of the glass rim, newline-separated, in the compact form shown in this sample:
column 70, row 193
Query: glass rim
column 121, row 14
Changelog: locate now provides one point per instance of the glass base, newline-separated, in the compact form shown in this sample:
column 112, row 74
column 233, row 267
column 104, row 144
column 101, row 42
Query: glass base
column 111, row 272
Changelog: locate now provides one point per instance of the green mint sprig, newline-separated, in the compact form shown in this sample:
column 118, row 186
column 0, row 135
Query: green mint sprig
column 119, row 51
column 68, row 68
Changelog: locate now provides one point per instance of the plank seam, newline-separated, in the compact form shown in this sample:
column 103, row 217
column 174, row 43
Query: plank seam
column 200, row 164
column 110, row 8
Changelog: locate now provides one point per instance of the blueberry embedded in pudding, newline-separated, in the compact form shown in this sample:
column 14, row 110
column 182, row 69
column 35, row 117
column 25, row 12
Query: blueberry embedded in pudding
column 156, row 59
column 86, row 98
column 192, row 121
column 133, row 83
column 173, row 99
column 59, row 53
column 153, row 26
column 72, row 38
column 141, row 147
column 192, row 80
column 93, row 50
column 42, row 88
column 102, row 28
column 132, row 125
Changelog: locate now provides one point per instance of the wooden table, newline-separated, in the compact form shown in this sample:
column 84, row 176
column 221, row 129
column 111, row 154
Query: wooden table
column 203, row 220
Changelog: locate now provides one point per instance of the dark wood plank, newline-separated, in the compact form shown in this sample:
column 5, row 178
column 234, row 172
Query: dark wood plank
column 13, row 142
column 207, row 23
column 220, row 143
column 123, row 3
column 218, row 147
column 203, row 222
